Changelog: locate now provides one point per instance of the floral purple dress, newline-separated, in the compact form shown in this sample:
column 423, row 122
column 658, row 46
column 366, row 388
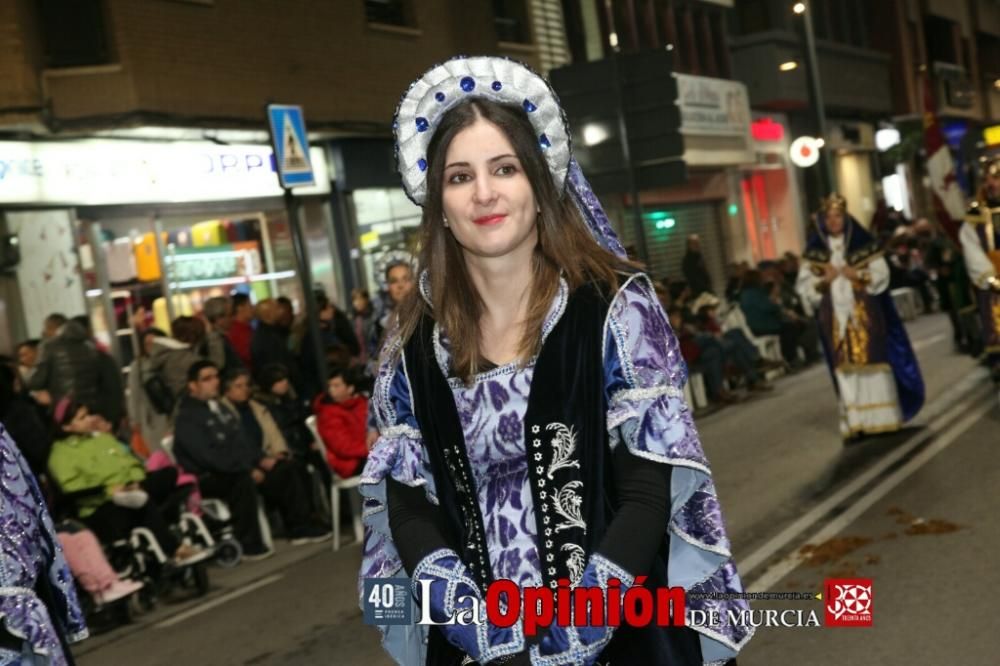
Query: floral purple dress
column 644, row 378
column 30, row 553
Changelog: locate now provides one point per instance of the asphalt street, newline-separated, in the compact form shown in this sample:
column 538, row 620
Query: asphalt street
column 911, row 511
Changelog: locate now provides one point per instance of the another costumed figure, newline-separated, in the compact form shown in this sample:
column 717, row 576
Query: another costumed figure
column 980, row 238
column 846, row 280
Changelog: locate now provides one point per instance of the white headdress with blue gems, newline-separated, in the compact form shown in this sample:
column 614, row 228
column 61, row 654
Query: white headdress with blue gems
column 507, row 82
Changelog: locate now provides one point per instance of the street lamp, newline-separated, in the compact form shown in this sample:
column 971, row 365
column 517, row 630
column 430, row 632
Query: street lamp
column 816, row 94
column 788, row 66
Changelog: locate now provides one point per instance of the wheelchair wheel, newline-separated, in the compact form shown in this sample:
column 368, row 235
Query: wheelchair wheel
column 228, row 553
column 199, row 573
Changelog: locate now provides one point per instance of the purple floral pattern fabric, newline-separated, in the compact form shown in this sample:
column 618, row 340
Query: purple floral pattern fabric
column 644, row 380
column 29, row 550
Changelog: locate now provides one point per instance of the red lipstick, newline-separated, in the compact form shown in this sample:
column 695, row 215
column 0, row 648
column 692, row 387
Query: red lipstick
column 488, row 220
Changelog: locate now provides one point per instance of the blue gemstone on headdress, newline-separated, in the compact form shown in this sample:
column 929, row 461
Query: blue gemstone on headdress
column 422, row 124
column 439, row 96
column 467, row 83
column 528, row 106
column 422, row 163
column 497, row 86
column 544, row 141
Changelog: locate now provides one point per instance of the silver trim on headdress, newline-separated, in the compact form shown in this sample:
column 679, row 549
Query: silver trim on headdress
column 501, row 80
column 446, row 85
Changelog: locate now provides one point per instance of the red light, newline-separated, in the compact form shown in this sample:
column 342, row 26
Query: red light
column 766, row 129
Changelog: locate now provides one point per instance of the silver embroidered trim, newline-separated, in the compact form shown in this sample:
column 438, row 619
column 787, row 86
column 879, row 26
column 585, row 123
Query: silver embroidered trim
column 647, row 393
column 564, row 443
column 718, row 550
column 402, row 430
column 568, row 504
column 575, row 562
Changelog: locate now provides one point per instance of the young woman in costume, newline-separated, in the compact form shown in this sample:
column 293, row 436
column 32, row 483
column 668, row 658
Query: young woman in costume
column 530, row 397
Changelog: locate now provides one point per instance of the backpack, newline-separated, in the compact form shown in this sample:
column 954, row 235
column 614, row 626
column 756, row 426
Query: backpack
column 158, row 392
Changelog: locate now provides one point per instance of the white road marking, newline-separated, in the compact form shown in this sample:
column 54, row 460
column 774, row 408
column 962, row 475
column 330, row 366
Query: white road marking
column 937, row 415
column 225, row 598
column 942, row 441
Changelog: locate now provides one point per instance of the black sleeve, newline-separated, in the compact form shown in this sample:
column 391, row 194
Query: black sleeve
column 415, row 523
column 635, row 533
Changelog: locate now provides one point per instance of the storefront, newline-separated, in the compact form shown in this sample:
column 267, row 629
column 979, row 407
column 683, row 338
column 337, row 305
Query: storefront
column 715, row 123
column 769, row 193
column 853, row 147
column 137, row 231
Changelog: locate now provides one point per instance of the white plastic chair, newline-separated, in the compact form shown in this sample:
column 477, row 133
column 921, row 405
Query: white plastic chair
column 335, row 488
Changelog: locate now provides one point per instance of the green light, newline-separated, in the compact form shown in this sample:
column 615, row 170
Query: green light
column 666, row 223
column 733, row 209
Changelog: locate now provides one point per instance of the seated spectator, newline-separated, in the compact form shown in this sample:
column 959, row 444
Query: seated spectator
column 341, row 419
column 702, row 356
column 290, row 414
column 27, row 359
column 794, row 312
column 737, row 350
column 765, row 315
column 209, row 442
column 23, row 420
column 115, row 493
column 90, row 567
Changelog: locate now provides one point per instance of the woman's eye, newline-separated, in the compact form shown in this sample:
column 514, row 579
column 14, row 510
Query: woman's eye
column 458, row 178
column 507, row 170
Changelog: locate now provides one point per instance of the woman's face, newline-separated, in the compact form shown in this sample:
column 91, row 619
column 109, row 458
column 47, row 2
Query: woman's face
column 239, row 389
column 399, row 279
column 280, row 387
column 835, row 222
column 487, row 199
column 359, row 302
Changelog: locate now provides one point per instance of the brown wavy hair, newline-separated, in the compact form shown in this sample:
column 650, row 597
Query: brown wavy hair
column 565, row 245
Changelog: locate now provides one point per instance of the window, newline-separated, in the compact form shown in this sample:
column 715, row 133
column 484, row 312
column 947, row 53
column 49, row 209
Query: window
column 390, row 12
column 511, row 20
column 73, row 33
column 940, row 37
column 753, row 16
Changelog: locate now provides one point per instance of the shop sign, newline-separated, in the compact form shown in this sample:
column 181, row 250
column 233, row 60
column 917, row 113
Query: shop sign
column 713, row 106
column 108, row 172
column 804, row 151
column 992, row 135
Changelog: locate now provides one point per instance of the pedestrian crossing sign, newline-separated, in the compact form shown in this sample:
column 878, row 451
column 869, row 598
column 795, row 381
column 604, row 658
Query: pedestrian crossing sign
column 291, row 145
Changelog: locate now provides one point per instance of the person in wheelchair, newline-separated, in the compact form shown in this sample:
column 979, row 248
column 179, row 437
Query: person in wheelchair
column 111, row 491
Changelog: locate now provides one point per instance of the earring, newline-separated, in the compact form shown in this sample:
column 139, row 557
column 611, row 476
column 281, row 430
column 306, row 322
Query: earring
column 445, row 220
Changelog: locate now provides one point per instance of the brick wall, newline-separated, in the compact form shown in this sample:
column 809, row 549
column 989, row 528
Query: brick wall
column 224, row 60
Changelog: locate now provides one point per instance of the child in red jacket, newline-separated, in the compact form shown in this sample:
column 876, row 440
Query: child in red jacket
column 341, row 418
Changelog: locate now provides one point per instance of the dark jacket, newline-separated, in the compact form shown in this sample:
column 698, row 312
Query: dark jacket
column 209, row 441
column 763, row 315
column 290, row 415
column 68, row 366
column 270, row 345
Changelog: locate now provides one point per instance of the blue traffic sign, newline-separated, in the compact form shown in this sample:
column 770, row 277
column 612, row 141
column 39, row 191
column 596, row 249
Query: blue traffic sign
column 291, row 145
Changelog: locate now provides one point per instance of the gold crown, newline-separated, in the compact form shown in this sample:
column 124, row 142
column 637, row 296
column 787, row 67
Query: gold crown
column 834, row 202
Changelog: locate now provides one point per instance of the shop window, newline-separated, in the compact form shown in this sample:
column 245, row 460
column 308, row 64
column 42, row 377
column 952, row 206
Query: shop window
column 511, row 20
column 940, row 37
column 73, row 33
column 390, row 12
